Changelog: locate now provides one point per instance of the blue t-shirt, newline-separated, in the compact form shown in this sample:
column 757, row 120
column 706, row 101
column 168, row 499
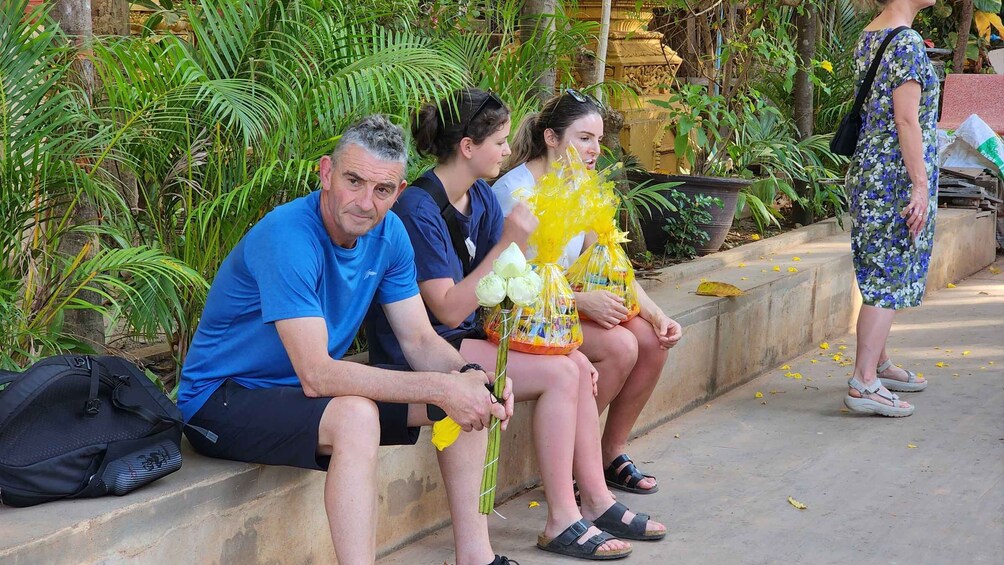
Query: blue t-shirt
column 435, row 257
column 285, row 267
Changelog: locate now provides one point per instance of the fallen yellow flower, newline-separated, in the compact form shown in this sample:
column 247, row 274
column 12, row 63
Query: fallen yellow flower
column 995, row 269
column 940, row 364
column 792, row 270
column 814, row 361
column 836, row 357
column 796, row 503
column 741, row 265
column 444, row 433
column 797, row 376
column 842, row 347
column 796, row 258
column 777, row 268
column 785, row 367
column 712, row 288
column 533, row 504
column 911, row 446
column 824, row 345
column 950, row 285
column 964, row 353
column 742, row 278
column 758, row 394
column 755, row 237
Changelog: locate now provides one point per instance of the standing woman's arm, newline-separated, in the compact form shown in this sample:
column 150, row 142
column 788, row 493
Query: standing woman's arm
column 906, row 114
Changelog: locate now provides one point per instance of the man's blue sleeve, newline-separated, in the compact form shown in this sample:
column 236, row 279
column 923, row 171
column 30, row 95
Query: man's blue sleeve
column 399, row 281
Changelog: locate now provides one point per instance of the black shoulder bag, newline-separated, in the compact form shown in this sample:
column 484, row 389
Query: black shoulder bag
column 845, row 139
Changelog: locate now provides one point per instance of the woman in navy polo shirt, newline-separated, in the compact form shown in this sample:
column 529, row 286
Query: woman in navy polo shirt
column 468, row 135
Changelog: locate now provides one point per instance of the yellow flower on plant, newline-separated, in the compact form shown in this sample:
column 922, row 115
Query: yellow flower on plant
column 444, row 433
column 826, row 66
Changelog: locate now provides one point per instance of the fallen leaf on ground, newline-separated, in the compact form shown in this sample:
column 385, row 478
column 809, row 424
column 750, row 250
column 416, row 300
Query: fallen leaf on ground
column 845, row 410
column 758, row 394
column 911, row 446
column 984, row 293
column 796, row 503
column 533, row 504
column 713, row 288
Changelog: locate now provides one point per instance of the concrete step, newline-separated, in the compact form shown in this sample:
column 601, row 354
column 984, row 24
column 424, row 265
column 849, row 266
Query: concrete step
column 222, row 512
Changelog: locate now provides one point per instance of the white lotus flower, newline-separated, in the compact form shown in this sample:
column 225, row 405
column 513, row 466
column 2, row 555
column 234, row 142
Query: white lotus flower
column 491, row 290
column 524, row 290
column 511, row 263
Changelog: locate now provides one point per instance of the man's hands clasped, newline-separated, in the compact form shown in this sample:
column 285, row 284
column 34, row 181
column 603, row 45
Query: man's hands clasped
column 471, row 405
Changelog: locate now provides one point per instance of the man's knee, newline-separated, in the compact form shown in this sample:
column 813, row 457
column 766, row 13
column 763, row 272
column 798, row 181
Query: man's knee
column 350, row 418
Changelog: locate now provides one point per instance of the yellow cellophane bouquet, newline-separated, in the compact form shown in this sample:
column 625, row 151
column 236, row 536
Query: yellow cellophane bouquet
column 550, row 327
column 605, row 265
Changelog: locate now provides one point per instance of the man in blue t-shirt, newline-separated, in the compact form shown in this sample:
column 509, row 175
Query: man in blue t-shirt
column 264, row 372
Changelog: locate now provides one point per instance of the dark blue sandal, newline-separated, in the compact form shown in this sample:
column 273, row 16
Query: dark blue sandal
column 612, row 522
column 628, row 477
column 567, row 543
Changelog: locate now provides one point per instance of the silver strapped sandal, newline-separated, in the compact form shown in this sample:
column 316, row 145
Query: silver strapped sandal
column 866, row 405
column 912, row 384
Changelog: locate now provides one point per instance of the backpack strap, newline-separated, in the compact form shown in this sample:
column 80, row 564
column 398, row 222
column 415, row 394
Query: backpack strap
column 449, row 214
column 866, row 86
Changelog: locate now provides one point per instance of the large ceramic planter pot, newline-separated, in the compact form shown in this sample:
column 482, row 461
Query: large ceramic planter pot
column 725, row 189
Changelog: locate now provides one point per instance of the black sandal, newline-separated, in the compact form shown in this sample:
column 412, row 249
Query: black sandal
column 566, row 543
column 628, row 477
column 612, row 522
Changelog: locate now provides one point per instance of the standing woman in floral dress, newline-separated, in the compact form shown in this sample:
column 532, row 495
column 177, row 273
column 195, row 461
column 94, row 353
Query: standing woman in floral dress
column 893, row 181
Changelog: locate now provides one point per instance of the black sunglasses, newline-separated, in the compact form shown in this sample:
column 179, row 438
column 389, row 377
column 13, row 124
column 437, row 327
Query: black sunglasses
column 481, row 108
column 579, row 97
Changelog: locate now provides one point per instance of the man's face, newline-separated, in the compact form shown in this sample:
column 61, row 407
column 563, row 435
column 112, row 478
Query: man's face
column 356, row 193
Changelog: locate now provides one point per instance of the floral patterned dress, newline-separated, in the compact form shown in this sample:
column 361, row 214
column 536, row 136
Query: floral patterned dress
column 891, row 267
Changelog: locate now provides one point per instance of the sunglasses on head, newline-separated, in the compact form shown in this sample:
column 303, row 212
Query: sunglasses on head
column 579, row 97
column 490, row 99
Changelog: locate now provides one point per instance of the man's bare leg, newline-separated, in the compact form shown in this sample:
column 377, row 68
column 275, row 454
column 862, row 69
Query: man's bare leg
column 350, row 433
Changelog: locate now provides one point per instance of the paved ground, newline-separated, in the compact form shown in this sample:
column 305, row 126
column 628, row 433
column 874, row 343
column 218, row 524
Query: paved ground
column 923, row 489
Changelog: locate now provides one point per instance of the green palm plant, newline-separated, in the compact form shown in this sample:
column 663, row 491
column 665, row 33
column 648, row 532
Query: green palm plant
column 51, row 146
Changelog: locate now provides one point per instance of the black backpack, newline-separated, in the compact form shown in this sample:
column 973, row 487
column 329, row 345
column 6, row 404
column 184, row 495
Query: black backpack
column 74, row 426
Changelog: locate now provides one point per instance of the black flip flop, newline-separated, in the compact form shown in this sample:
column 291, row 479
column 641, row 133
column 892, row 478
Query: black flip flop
column 612, row 522
column 628, row 477
column 566, row 543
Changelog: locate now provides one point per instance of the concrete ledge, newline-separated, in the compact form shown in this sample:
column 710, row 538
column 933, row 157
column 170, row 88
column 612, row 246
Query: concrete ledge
column 221, row 512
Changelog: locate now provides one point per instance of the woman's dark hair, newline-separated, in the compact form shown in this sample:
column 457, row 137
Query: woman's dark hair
column 557, row 114
column 470, row 112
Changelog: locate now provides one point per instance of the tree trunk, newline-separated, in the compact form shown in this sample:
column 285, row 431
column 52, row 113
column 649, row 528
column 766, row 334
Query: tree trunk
column 538, row 19
column 965, row 24
column 802, row 107
column 110, row 17
column 600, row 70
column 74, row 17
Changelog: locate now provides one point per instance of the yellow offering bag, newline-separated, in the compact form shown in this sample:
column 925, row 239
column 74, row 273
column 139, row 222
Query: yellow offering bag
column 605, row 266
column 550, row 327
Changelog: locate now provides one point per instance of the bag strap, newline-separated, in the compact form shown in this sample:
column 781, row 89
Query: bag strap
column 859, row 100
column 449, row 214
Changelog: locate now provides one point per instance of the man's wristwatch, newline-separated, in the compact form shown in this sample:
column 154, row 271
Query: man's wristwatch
column 472, row 367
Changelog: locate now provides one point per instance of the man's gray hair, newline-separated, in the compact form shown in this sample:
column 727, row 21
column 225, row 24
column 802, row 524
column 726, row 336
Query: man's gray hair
column 378, row 136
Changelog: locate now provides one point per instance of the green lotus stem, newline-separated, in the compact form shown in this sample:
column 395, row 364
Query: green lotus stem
column 489, row 478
